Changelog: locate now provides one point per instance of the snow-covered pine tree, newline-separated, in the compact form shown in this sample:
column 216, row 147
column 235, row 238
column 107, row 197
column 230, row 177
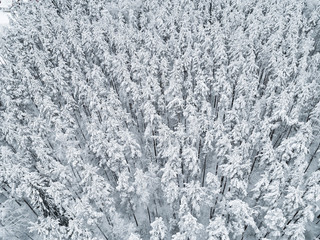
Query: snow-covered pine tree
column 160, row 119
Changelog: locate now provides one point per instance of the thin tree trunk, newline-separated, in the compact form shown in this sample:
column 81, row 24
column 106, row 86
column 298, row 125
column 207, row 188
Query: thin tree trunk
column 149, row 214
column 134, row 216
column 312, row 157
column 104, row 235
column 245, row 228
column 30, row 207
column 204, row 171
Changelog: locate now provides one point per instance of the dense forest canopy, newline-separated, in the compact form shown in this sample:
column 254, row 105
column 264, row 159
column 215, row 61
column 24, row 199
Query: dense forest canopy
column 160, row 119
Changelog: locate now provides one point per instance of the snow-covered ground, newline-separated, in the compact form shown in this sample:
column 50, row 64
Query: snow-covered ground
column 4, row 19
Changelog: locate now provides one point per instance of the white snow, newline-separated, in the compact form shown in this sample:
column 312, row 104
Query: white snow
column 4, row 16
